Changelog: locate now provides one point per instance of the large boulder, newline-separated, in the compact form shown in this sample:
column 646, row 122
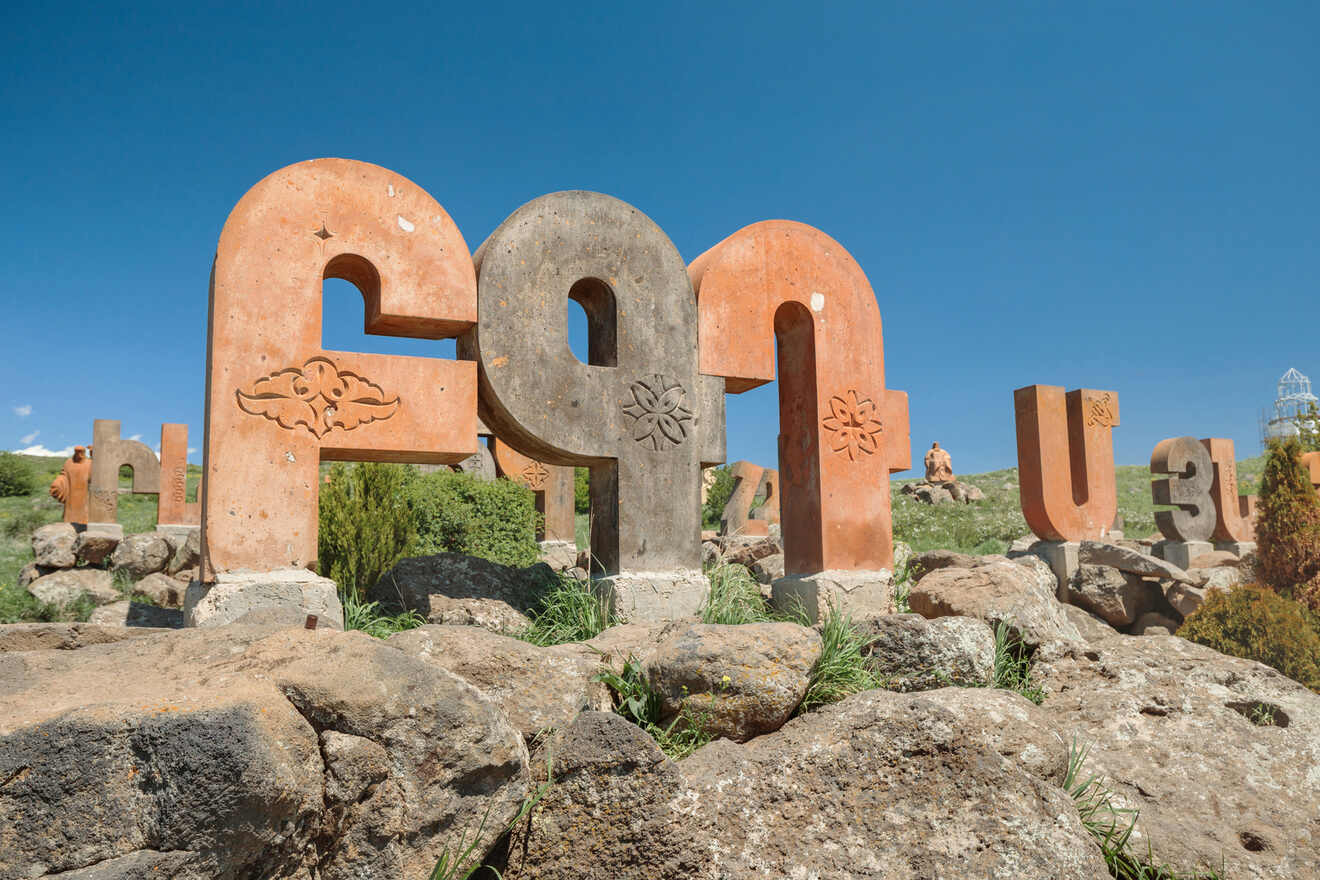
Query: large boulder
column 1019, row 593
column 246, row 752
column 285, row 596
column 67, row 585
column 628, row 641
column 1118, row 598
column 94, row 546
column 52, row 545
column 162, row 590
column 537, row 688
column 30, row 572
column 933, row 560
column 916, row 654
column 748, row 550
column 1130, row 561
column 745, row 679
column 141, row 555
column 950, row 783
column 1217, row 753
column 187, row 551
column 451, row 588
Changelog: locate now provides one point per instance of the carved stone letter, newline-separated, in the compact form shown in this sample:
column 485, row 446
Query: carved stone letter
column 841, row 431
column 735, row 519
column 1193, row 476
column 277, row 404
column 173, row 507
column 1066, row 461
column 1232, row 511
column 551, row 483
column 638, row 414
column 109, row 453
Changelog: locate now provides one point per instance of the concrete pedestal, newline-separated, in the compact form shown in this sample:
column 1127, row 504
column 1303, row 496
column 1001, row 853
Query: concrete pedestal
column 1181, row 553
column 1061, row 557
column 860, row 593
column 284, row 596
column 655, row 596
column 1237, row 548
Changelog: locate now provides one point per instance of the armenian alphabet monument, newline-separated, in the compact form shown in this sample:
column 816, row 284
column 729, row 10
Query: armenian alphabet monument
column 645, row 414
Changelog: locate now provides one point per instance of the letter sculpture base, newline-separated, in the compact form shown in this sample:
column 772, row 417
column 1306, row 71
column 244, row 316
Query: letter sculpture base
column 177, row 533
column 1237, row 548
column 655, row 596
column 285, row 595
column 1181, row 553
column 1061, row 557
column 861, row 593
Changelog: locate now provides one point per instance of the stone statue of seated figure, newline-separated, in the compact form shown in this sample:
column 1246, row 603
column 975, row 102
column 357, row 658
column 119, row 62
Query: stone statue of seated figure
column 939, row 466
column 70, row 487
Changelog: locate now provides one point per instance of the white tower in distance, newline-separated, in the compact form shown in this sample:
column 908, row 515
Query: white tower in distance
column 1293, row 401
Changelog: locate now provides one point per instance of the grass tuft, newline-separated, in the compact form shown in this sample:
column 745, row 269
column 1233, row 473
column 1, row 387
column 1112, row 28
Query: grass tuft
column 635, row 700
column 569, row 611
column 1012, row 670
column 735, row 596
column 371, row 619
column 842, row 668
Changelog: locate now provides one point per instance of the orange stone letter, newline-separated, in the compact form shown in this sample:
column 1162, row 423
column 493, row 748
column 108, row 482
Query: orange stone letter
column 1232, row 511
column 1066, row 461
column 276, row 403
column 551, row 483
column 841, row 432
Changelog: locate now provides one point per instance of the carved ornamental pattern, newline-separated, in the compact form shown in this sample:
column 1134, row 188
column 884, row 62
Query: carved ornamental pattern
column 319, row 396
column 657, row 406
column 1101, row 412
column 534, row 476
column 853, row 425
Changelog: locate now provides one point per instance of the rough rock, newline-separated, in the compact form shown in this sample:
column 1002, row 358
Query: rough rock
column 52, row 545
column 1099, row 553
column 186, row 553
column 748, row 679
column 285, row 596
column 537, row 688
column 942, row 493
column 64, row 636
column 768, row 568
column 1116, row 597
column 1153, row 623
column 1185, row 599
column 141, row 555
column 636, row 641
column 1018, row 593
column 162, row 590
column 136, row 614
column 1091, row 627
column 861, row 788
column 1169, row 726
column 451, row 588
column 94, row 547
column 746, row 551
column 917, row 654
column 1214, row 559
column 902, row 555
column 32, row 571
column 211, row 753
column 933, row 560
column 559, row 555
column 64, row 586
column 1222, row 578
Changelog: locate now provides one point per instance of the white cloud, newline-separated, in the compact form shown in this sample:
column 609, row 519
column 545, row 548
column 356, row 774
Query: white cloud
column 23, row 411
column 41, row 450
column 29, row 438
column 191, row 450
column 137, row 437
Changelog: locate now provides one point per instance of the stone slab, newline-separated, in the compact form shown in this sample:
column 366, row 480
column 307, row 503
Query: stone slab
column 291, row 592
column 859, row 593
column 655, row 595
column 1061, row 557
column 1181, row 553
column 1237, row 548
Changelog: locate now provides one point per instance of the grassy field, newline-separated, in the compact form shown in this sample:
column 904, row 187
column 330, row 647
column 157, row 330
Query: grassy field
column 20, row 516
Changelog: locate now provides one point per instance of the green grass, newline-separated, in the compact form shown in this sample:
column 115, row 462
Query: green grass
column 635, row 700
column 842, row 668
column 371, row 619
column 1111, row 826
column 582, row 530
column 569, row 610
column 1012, row 670
column 735, row 596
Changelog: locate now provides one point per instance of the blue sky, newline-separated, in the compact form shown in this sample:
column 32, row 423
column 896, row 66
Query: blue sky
column 1117, row 196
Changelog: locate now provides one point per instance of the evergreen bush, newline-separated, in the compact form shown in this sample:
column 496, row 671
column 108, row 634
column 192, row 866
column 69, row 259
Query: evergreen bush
column 459, row 513
column 365, row 523
column 16, row 476
column 1288, row 525
column 1255, row 623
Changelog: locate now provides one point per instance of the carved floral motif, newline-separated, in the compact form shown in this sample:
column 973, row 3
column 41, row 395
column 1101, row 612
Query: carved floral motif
column 657, row 405
column 1101, row 412
column 535, row 475
column 853, row 425
column 319, row 396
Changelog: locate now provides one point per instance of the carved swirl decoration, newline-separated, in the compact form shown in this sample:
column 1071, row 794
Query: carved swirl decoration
column 319, row 396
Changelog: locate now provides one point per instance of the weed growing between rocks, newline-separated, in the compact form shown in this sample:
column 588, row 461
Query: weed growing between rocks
column 735, row 597
column 371, row 619
column 569, row 611
column 1111, row 826
column 635, row 700
column 842, row 668
column 459, row 864
column 1013, row 667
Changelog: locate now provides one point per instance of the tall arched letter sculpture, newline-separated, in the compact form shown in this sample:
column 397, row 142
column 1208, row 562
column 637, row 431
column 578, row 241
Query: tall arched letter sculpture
column 841, row 431
column 1232, row 511
column 768, row 512
column 551, row 483
column 110, row 452
column 736, row 519
column 277, row 403
column 1188, row 489
column 1311, row 461
column 639, row 414
column 1066, row 461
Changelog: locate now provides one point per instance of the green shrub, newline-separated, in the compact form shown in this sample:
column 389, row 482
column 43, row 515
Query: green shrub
column 16, row 476
column 459, row 513
column 1255, row 623
column 365, row 523
column 716, row 497
column 1288, row 526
